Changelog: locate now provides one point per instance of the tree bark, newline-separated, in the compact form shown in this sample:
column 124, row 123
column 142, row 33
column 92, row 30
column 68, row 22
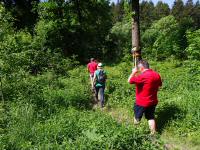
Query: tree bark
column 136, row 30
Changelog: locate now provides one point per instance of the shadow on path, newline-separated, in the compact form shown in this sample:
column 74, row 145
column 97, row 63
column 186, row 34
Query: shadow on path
column 167, row 113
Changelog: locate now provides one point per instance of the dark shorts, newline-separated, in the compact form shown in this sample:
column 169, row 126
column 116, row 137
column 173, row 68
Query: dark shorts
column 147, row 111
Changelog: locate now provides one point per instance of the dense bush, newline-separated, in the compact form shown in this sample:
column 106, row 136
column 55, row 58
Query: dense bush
column 121, row 40
column 118, row 41
column 161, row 40
column 193, row 49
column 75, row 27
column 71, row 129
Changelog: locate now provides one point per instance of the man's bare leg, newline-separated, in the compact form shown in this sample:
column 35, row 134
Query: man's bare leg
column 152, row 126
column 91, row 81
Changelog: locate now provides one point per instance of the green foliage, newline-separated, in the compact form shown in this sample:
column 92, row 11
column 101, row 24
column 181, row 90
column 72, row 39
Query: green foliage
column 193, row 49
column 5, row 22
column 196, row 16
column 147, row 15
column 119, row 40
column 22, row 51
column 184, row 14
column 118, row 10
column 14, row 51
column 118, row 87
column 77, row 28
column 69, row 28
column 162, row 39
column 161, row 10
column 177, row 9
column 74, row 130
column 150, row 13
column 24, row 13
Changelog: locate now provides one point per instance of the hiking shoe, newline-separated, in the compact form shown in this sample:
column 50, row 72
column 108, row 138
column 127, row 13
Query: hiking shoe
column 136, row 122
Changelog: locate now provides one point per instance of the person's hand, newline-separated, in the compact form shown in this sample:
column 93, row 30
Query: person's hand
column 134, row 70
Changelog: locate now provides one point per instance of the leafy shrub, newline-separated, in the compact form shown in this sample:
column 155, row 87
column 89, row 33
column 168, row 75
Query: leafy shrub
column 193, row 49
column 6, row 22
column 117, row 86
column 162, row 39
column 75, row 130
column 118, row 41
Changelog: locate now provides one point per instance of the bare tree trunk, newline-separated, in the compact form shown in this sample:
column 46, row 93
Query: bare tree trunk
column 136, row 30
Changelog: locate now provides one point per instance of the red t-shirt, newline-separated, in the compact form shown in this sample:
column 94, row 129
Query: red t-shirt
column 147, row 85
column 92, row 67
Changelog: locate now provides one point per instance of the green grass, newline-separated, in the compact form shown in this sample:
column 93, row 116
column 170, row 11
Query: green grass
column 55, row 112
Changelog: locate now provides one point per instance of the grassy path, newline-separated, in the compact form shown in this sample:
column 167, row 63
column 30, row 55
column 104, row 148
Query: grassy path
column 124, row 116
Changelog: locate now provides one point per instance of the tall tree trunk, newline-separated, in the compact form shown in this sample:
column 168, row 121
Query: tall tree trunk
column 136, row 30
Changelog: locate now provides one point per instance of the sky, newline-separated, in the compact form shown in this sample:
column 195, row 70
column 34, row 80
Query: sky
column 170, row 2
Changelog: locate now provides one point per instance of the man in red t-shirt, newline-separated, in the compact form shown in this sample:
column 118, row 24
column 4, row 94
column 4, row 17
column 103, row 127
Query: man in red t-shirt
column 147, row 85
column 92, row 67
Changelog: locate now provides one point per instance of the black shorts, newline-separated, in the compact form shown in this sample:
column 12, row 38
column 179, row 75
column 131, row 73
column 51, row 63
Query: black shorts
column 148, row 111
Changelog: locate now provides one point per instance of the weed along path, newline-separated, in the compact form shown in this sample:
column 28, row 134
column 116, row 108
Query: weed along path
column 177, row 112
column 170, row 142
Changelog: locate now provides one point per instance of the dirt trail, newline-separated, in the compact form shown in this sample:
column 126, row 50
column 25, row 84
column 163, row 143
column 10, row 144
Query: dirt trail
column 123, row 115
